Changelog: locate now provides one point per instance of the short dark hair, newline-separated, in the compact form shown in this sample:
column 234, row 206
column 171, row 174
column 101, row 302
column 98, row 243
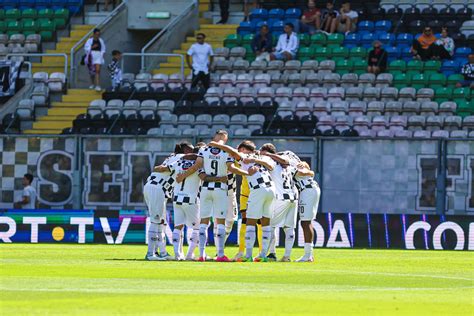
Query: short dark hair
column 96, row 31
column 247, row 144
column 222, row 132
column 269, row 147
column 290, row 25
column 265, row 26
column 116, row 52
column 29, row 177
column 201, row 34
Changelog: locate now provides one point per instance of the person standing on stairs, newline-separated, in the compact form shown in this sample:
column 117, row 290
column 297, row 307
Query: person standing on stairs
column 224, row 6
column 202, row 57
column 95, row 50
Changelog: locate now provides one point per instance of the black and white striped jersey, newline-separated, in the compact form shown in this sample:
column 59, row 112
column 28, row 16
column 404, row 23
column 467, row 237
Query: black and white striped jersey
column 283, row 178
column 215, row 165
column 305, row 182
column 262, row 178
column 165, row 179
column 186, row 192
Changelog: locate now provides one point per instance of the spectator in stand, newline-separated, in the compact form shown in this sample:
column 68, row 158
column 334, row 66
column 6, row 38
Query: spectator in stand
column 248, row 7
column 95, row 50
column 377, row 61
column 444, row 48
column 423, row 47
column 115, row 70
column 347, row 20
column 287, row 45
column 202, row 56
column 329, row 18
column 224, row 6
column 311, row 19
column 468, row 71
column 262, row 44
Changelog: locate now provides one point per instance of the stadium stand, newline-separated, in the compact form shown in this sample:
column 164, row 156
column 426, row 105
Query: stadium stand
column 324, row 91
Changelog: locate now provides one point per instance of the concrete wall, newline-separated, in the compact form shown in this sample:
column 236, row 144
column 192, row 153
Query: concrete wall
column 137, row 17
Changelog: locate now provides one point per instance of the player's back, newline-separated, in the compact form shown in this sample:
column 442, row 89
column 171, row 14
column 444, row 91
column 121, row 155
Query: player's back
column 215, row 161
column 188, row 190
column 282, row 177
column 262, row 177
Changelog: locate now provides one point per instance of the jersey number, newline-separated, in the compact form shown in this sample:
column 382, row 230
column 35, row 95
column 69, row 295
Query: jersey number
column 182, row 185
column 286, row 181
column 214, row 168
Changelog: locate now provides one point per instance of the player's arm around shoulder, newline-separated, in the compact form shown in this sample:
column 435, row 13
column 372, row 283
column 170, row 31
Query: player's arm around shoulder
column 265, row 161
column 304, row 171
column 197, row 165
column 228, row 149
column 231, row 167
column 278, row 158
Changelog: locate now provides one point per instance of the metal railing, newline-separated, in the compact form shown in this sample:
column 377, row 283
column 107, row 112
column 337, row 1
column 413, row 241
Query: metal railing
column 43, row 55
column 82, row 41
column 169, row 28
column 143, row 55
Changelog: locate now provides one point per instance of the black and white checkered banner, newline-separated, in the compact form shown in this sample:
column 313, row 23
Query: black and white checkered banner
column 364, row 176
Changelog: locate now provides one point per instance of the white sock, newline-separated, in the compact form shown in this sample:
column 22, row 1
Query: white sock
column 266, row 237
column 273, row 247
column 308, row 248
column 220, row 239
column 289, row 240
column 202, row 239
column 161, row 239
column 228, row 228
column 153, row 238
column 176, row 241
column 181, row 241
column 193, row 242
column 249, row 240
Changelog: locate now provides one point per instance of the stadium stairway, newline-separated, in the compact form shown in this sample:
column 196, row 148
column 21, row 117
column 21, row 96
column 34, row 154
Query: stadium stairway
column 63, row 46
column 215, row 35
column 62, row 114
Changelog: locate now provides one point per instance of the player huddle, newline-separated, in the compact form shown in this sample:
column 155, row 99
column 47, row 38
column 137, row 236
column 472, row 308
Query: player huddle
column 201, row 181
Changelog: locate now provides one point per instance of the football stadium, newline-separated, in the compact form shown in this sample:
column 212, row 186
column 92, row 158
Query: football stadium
column 232, row 157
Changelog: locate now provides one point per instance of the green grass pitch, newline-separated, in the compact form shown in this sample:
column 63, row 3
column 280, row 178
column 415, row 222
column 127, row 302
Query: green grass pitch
column 103, row 279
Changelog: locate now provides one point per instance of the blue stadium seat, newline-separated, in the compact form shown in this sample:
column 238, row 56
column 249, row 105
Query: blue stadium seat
column 365, row 26
column 25, row 4
column 278, row 14
column 277, row 27
column 449, row 67
column 404, row 39
column 259, row 14
column 293, row 13
column 74, row 6
column 245, row 28
column 43, row 4
column 383, row 25
column 387, row 39
column 10, row 4
column 463, row 52
column 393, row 52
column 367, row 40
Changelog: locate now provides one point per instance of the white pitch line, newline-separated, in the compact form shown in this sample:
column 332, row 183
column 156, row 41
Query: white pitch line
column 223, row 291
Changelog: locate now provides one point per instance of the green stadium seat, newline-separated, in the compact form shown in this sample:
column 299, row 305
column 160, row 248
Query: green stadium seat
column 358, row 52
column 432, row 66
column 305, row 53
column 443, row 94
column 419, row 80
column 45, row 14
column 2, row 14
column 247, row 39
column 13, row 27
column 3, row 26
column 249, row 54
column 46, row 29
column 335, row 39
column 360, row 66
column 463, row 107
column 233, row 40
column 340, row 52
column 61, row 17
column 401, row 80
column 29, row 26
column 12, row 14
column 318, row 39
column 344, row 66
column 461, row 93
column 305, row 39
column 321, row 53
column 454, row 79
column 436, row 80
column 414, row 67
column 29, row 14
column 397, row 65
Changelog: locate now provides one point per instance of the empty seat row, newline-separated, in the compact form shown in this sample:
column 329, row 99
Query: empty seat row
column 56, row 81
column 74, row 6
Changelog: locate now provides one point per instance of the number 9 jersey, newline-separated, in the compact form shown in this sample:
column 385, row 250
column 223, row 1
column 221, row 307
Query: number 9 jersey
column 214, row 165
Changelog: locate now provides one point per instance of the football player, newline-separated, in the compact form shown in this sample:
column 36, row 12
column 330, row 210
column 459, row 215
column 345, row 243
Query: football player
column 157, row 189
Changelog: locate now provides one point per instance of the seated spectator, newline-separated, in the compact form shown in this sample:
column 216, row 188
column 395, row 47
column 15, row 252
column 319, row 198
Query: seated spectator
column 287, row 45
column 444, row 48
column 347, row 20
column 311, row 19
column 262, row 44
column 468, row 71
column 329, row 18
column 377, row 61
column 422, row 48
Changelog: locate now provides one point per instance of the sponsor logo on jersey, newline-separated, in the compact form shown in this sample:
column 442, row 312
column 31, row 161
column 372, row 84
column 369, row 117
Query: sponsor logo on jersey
column 215, row 151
